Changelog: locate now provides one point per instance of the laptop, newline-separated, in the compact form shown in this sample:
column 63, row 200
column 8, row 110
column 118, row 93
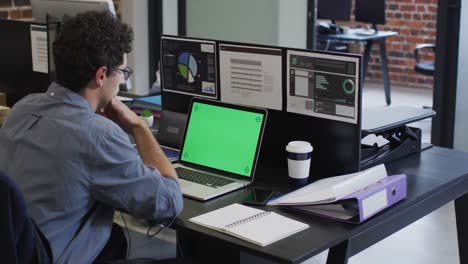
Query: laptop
column 172, row 154
column 171, row 132
column 220, row 148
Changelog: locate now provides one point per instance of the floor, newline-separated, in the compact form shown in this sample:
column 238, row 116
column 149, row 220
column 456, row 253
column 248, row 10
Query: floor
column 430, row 240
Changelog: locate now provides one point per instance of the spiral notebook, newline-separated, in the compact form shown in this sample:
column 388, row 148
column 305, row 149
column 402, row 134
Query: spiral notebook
column 250, row 224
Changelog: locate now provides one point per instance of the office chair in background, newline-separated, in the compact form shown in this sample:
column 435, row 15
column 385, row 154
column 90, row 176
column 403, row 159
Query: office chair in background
column 21, row 241
column 424, row 67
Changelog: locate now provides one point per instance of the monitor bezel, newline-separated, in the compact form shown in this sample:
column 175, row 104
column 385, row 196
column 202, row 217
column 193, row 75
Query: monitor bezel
column 360, row 7
column 262, row 111
column 189, row 39
column 346, row 7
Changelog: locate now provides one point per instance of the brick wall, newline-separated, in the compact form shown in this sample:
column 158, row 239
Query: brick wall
column 415, row 21
column 15, row 9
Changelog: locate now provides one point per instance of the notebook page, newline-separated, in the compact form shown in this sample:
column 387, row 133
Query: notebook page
column 268, row 229
column 225, row 216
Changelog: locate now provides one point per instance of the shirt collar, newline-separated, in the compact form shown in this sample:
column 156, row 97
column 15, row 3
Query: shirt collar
column 68, row 96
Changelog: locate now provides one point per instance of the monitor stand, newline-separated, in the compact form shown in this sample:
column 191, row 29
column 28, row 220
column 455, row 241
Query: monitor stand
column 391, row 124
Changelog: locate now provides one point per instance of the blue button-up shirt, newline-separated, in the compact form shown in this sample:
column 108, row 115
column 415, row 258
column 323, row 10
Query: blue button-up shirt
column 75, row 168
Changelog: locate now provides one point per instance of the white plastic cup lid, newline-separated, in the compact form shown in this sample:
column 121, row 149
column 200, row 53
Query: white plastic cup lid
column 299, row 147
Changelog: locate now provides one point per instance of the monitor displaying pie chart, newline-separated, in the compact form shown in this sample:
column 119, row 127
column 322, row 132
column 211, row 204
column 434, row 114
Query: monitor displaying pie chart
column 187, row 67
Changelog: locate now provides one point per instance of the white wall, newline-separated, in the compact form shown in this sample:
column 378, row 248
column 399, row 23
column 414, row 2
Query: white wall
column 170, row 22
column 268, row 22
column 461, row 111
column 234, row 20
column 292, row 30
column 135, row 13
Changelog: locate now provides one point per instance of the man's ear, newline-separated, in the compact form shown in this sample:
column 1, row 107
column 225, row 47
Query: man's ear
column 100, row 74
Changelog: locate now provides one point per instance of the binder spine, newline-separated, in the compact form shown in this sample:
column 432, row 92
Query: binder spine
column 248, row 219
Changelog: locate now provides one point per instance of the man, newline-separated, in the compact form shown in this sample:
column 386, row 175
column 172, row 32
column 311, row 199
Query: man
column 75, row 166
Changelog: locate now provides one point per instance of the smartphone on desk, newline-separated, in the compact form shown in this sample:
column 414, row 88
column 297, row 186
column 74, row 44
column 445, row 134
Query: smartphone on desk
column 258, row 196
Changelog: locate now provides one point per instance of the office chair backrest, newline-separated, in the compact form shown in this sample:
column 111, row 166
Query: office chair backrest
column 21, row 241
column 424, row 67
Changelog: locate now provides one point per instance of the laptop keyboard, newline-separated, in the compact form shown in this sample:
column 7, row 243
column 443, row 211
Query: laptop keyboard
column 201, row 178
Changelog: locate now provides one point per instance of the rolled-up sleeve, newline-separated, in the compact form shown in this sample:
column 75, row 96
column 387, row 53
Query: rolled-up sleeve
column 121, row 179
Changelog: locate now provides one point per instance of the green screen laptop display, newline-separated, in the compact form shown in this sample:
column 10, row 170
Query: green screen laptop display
column 222, row 138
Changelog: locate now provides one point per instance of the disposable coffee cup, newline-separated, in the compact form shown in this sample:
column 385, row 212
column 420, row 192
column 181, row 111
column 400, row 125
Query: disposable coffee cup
column 299, row 154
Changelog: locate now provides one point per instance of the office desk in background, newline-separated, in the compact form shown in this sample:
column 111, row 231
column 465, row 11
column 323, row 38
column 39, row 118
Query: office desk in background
column 379, row 37
column 435, row 177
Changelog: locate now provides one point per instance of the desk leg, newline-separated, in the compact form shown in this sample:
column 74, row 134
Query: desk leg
column 338, row 254
column 461, row 214
column 383, row 57
column 366, row 58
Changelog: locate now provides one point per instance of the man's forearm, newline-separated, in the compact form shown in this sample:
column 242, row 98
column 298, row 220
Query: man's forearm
column 151, row 152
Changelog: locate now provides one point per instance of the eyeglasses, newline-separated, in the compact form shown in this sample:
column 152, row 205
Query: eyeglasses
column 127, row 72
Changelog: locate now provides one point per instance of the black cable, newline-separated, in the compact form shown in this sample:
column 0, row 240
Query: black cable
column 149, row 260
column 179, row 247
column 161, row 227
column 148, row 234
column 129, row 238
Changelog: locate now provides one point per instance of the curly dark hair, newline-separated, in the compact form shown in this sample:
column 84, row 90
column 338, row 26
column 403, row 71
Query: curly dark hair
column 85, row 43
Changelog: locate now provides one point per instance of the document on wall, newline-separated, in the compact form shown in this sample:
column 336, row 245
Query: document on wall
column 39, row 48
column 251, row 75
column 323, row 85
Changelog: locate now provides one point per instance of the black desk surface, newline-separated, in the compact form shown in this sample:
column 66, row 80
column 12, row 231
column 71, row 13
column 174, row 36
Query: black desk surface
column 435, row 177
column 352, row 36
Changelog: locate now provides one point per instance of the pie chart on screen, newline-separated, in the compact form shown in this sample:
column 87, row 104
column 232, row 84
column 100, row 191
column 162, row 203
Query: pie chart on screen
column 187, row 67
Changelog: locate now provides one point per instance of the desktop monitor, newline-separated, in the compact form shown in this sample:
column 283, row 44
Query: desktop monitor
column 61, row 8
column 370, row 11
column 323, row 85
column 251, row 75
column 189, row 66
column 53, row 28
column 334, row 9
column 324, row 90
column 23, row 59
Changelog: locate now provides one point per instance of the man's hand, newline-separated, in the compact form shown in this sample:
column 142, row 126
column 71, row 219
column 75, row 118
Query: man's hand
column 122, row 115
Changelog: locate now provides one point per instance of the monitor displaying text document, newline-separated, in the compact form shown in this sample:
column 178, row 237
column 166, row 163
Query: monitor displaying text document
column 251, row 75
